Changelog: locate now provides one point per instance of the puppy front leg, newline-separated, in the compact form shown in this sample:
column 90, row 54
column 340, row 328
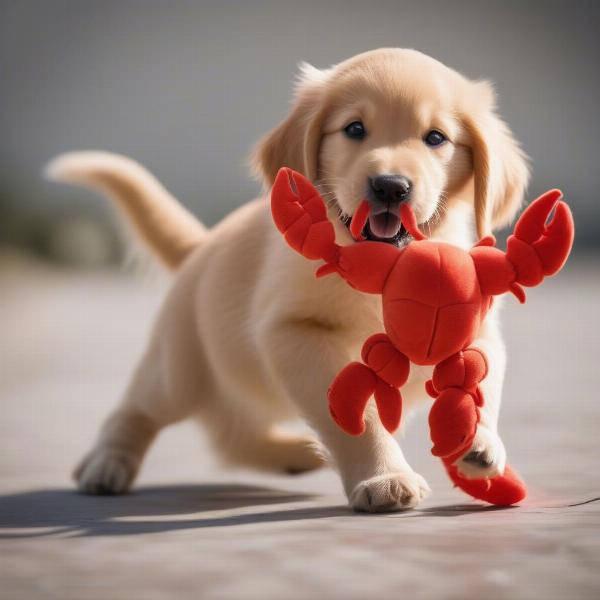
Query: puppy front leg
column 112, row 464
column 305, row 357
column 487, row 455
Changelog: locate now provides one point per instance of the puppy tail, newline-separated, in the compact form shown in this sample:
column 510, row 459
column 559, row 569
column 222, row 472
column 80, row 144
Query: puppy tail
column 165, row 226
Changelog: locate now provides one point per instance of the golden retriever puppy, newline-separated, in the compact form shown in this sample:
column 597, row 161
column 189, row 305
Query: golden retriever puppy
column 247, row 337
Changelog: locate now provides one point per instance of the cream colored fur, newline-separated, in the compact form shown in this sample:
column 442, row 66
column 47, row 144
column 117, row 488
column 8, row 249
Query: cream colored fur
column 247, row 337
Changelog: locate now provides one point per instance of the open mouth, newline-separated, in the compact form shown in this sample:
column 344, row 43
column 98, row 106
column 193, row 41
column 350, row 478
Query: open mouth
column 384, row 226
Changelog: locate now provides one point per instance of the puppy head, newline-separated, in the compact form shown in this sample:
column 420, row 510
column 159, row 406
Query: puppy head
column 397, row 126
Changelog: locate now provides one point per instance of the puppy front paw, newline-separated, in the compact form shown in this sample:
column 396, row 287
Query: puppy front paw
column 485, row 459
column 389, row 492
column 105, row 471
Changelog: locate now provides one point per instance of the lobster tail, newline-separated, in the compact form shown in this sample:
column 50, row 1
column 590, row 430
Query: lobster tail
column 502, row 490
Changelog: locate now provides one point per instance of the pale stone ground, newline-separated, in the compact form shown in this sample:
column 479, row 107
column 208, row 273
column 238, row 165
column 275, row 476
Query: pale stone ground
column 191, row 529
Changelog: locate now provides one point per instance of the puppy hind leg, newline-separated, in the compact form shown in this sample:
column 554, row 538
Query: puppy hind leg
column 241, row 439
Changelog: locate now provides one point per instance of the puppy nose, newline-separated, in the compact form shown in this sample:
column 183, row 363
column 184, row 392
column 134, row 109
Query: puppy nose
column 390, row 188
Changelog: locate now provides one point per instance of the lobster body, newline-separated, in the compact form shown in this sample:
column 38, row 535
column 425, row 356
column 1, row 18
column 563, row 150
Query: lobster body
column 434, row 299
column 432, row 302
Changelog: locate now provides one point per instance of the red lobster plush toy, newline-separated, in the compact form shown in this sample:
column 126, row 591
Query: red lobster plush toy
column 434, row 298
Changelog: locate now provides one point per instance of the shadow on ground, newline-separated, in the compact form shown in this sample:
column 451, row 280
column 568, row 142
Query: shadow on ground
column 147, row 510
column 44, row 513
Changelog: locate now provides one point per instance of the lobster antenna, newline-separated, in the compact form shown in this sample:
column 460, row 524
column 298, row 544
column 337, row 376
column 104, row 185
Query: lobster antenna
column 359, row 219
column 410, row 222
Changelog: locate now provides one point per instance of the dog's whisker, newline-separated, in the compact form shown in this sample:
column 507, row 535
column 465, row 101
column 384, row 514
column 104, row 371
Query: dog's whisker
column 330, row 180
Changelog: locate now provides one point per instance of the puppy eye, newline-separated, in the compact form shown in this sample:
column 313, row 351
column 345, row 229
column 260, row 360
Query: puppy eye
column 435, row 138
column 355, row 131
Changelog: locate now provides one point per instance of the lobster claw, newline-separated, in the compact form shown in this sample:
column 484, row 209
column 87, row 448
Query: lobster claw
column 549, row 243
column 300, row 215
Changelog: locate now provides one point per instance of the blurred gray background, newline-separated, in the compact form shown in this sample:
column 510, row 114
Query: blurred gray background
column 186, row 88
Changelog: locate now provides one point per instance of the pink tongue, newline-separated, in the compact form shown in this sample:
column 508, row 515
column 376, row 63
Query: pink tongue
column 384, row 225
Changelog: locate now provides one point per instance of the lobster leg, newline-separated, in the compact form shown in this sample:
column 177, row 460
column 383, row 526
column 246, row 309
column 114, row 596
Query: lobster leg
column 385, row 369
column 455, row 412
column 453, row 421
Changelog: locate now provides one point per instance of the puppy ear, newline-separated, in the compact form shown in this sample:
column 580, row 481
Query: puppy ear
column 295, row 142
column 500, row 167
